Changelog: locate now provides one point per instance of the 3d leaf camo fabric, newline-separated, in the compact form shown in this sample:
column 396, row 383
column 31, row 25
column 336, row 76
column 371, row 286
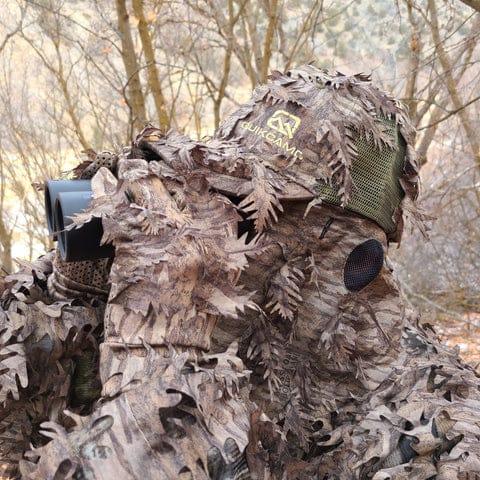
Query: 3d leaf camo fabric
column 220, row 352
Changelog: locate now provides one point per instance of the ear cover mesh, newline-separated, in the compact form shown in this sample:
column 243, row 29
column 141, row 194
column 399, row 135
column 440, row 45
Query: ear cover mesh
column 363, row 265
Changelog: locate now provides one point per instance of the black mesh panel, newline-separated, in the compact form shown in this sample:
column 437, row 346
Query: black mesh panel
column 363, row 265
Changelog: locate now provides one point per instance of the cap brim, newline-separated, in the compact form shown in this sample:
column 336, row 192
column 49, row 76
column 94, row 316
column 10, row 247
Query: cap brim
column 241, row 187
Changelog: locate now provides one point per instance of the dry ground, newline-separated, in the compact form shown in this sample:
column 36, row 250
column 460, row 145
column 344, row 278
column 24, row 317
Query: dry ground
column 463, row 334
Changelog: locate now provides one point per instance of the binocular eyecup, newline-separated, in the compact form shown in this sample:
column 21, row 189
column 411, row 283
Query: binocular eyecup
column 63, row 199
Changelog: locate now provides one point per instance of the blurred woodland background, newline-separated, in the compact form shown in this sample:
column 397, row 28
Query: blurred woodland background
column 82, row 74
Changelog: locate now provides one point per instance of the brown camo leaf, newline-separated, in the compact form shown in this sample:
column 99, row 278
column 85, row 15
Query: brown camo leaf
column 263, row 200
column 13, row 369
column 294, row 423
column 284, row 290
column 342, row 152
column 229, row 368
column 229, row 124
column 278, row 93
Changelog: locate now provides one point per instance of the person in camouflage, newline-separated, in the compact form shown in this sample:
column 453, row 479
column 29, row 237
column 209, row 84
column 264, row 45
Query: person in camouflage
column 253, row 326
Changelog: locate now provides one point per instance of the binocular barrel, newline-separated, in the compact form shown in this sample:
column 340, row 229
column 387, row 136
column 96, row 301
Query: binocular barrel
column 64, row 199
column 52, row 189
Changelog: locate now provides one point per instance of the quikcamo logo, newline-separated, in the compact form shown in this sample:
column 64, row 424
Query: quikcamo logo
column 280, row 128
column 284, row 123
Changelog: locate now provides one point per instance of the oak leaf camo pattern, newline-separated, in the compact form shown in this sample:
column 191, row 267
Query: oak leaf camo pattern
column 242, row 356
column 43, row 337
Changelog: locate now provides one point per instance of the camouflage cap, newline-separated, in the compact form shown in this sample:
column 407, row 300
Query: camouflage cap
column 333, row 137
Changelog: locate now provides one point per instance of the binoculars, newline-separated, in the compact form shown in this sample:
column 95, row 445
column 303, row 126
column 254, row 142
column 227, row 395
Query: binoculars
column 63, row 199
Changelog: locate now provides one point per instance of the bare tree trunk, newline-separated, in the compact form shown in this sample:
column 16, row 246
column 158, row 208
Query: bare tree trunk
column 227, row 60
column 59, row 74
column 437, row 114
column 6, row 243
column 414, row 63
column 269, row 37
column 451, row 85
column 135, row 98
column 152, row 71
column 243, row 54
column 299, row 51
column 68, row 98
column 5, row 234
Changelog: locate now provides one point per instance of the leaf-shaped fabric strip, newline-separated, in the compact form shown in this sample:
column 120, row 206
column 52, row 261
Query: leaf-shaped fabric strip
column 177, row 259
column 284, row 290
column 163, row 426
column 342, row 153
column 264, row 198
column 276, row 93
column 13, row 369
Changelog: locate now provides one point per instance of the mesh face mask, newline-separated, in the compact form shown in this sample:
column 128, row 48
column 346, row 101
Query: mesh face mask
column 376, row 192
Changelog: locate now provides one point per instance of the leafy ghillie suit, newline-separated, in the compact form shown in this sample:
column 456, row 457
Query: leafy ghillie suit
column 249, row 325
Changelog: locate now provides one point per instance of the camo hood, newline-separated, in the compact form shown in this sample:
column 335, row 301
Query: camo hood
column 333, row 138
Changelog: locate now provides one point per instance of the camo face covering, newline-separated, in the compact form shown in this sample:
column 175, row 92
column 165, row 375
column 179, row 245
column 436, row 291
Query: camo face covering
column 332, row 171
column 329, row 298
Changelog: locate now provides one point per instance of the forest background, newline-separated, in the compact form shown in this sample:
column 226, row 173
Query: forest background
column 77, row 75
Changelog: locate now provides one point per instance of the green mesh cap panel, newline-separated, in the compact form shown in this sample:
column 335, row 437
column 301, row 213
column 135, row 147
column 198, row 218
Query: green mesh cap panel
column 376, row 192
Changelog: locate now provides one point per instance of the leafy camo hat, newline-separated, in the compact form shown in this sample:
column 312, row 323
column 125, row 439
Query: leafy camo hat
column 332, row 137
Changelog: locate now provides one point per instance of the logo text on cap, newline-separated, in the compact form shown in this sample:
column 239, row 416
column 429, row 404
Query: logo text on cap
column 284, row 123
